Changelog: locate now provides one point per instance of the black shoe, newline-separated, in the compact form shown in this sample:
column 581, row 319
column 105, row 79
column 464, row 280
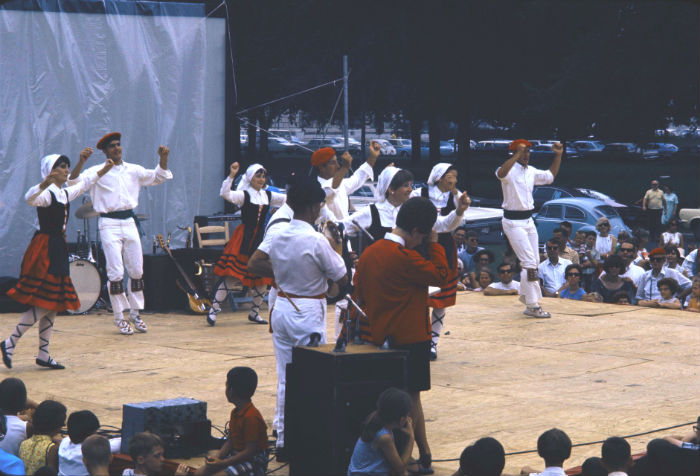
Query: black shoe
column 256, row 319
column 6, row 359
column 50, row 364
column 433, row 354
column 281, row 454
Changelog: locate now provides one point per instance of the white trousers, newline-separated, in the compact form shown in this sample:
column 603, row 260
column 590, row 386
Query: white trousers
column 292, row 328
column 340, row 307
column 522, row 235
column 122, row 247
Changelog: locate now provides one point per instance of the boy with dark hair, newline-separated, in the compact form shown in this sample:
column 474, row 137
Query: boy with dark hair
column 13, row 399
column 554, row 446
column 96, row 455
column 616, row 456
column 245, row 451
column 486, row 457
column 80, row 424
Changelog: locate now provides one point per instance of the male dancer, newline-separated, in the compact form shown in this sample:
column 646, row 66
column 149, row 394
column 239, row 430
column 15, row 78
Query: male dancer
column 517, row 181
column 114, row 197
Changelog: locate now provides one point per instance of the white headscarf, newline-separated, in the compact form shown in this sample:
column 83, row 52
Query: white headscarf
column 47, row 164
column 384, row 180
column 244, row 184
column 438, row 171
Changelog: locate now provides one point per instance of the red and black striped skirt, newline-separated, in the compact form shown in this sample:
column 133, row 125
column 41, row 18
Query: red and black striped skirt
column 234, row 263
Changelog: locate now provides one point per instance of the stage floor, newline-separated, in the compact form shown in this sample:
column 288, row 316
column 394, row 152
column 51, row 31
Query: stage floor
column 593, row 370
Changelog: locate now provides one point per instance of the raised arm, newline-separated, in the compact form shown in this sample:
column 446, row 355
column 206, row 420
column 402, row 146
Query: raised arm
column 345, row 163
column 234, row 196
column 84, row 155
column 81, row 186
column 556, row 162
column 452, row 220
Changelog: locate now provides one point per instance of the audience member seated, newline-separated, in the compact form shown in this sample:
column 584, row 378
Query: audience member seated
column 665, row 458
column 554, row 447
column 673, row 237
column 506, row 285
column 692, row 302
column 641, row 236
column 376, row 451
column 589, row 260
column 610, row 283
column 70, row 458
column 622, row 236
column 470, row 249
column 551, row 271
column 9, row 463
column 568, row 230
column 482, row 259
column 668, row 287
column 673, row 259
column 648, row 289
column 245, row 450
column 561, row 236
column 13, row 400
column 146, row 449
column 690, row 441
column 627, row 251
column 690, row 267
column 593, row 466
column 41, row 449
column 605, row 243
column 486, row 457
column 572, row 288
column 621, row 298
column 97, row 455
column 484, row 279
column 45, row 471
column 616, row 456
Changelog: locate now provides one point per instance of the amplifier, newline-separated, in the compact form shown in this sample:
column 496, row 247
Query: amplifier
column 181, row 423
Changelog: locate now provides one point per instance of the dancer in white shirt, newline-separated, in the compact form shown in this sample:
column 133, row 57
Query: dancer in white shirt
column 114, row 198
column 517, row 181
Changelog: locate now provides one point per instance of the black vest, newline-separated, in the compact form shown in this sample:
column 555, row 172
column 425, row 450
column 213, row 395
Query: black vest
column 445, row 239
column 253, row 217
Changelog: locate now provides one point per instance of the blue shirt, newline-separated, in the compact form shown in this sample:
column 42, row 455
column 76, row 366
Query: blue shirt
column 648, row 284
column 468, row 259
column 366, row 459
column 566, row 294
column 10, row 464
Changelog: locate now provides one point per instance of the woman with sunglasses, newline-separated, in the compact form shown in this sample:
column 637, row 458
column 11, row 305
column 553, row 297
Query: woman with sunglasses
column 255, row 202
column 605, row 243
column 611, row 283
column 572, row 288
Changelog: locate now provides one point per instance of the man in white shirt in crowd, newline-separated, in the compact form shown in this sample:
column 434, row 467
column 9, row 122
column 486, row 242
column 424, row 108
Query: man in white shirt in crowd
column 506, row 285
column 628, row 252
column 552, row 271
column 517, row 181
column 114, row 197
column 301, row 261
column 690, row 267
column 648, row 289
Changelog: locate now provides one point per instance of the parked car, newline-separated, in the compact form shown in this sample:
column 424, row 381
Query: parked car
column 363, row 196
column 588, row 146
column 472, row 144
column 579, row 212
column 620, row 150
column 402, row 146
column 386, row 147
column 278, row 145
column 545, row 151
column 657, row 150
column 493, row 145
column 690, row 219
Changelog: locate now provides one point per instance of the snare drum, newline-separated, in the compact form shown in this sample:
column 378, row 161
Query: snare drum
column 87, row 283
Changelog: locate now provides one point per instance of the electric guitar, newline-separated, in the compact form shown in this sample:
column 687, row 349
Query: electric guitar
column 198, row 305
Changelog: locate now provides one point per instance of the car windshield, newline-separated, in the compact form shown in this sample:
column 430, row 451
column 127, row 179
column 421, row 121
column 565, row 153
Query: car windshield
column 606, row 211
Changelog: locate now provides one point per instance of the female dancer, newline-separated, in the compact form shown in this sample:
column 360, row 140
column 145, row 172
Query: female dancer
column 45, row 282
column 255, row 202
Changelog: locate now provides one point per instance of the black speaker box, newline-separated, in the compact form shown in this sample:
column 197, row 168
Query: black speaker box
column 328, row 397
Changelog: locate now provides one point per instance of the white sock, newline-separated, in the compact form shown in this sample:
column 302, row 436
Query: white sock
column 45, row 331
column 27, row 320
column 438, row 316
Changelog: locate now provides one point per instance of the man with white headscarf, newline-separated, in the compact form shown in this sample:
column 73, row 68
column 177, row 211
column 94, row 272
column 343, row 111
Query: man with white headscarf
column 44, row 281
column 255, row 202
column 115, row 197
column 443, row 193
column 517, row 181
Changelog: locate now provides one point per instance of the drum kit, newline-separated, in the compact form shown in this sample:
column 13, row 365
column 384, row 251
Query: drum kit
column 87, row 265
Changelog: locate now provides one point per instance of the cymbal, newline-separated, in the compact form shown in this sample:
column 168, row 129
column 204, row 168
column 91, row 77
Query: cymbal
column 141, row 217
column 86, row 211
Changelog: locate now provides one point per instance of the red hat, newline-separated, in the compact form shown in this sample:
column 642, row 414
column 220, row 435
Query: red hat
column 321, row 156
column 514, row 145
column 657, row 252
column 107, row 138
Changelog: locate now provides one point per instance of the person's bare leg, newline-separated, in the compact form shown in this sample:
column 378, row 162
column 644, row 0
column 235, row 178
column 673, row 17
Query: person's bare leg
column 418, row 418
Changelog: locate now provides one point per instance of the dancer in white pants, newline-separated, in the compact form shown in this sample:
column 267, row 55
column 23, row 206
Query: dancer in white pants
column 517, row 181
column 114, row 198
column 301, row 260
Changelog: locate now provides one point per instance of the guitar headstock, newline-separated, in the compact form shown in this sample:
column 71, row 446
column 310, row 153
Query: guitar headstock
column 161, row 242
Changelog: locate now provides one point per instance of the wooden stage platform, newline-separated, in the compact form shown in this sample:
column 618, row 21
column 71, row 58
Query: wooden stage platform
column 593, row 370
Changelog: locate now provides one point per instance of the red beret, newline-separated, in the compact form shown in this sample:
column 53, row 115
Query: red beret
column 321, row 156
column 107, row 138
column 657, row 252
column 514, row 145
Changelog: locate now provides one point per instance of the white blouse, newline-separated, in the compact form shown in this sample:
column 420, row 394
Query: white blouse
column 257, row 197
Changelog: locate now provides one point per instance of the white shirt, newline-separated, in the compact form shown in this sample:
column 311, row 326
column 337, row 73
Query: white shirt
column 257, row 197
column 302, row 260
column 16, row 434
column 689, row 262
column 70, row 459
column 518, row 183
column 551, row 471
column 449, row 222
column 119, row 188
column 603, row 244
column 337, row 200
column 553, row 274
column 285, row 212
column 513, row 285
column 42, row 198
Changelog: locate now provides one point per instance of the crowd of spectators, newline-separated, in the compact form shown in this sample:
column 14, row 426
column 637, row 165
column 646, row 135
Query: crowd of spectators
column 593, row 265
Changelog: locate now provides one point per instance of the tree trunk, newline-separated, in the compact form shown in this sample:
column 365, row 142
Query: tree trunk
column 265, row 122
column 252, row 137
column 464, row 151
column 416, row 128
column 434, row 138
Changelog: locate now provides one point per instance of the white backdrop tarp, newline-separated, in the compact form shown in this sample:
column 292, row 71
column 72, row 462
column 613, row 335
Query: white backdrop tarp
column 66, row 79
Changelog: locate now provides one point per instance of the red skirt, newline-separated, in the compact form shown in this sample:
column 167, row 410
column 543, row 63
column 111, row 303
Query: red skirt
column 38, row 287
column 448, row 295
column 235, row 264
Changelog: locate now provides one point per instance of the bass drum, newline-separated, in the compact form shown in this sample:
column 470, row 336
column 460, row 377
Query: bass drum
column 87, row 283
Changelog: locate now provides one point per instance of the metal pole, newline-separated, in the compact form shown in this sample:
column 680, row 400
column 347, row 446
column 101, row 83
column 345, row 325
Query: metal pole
column 345, row 99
